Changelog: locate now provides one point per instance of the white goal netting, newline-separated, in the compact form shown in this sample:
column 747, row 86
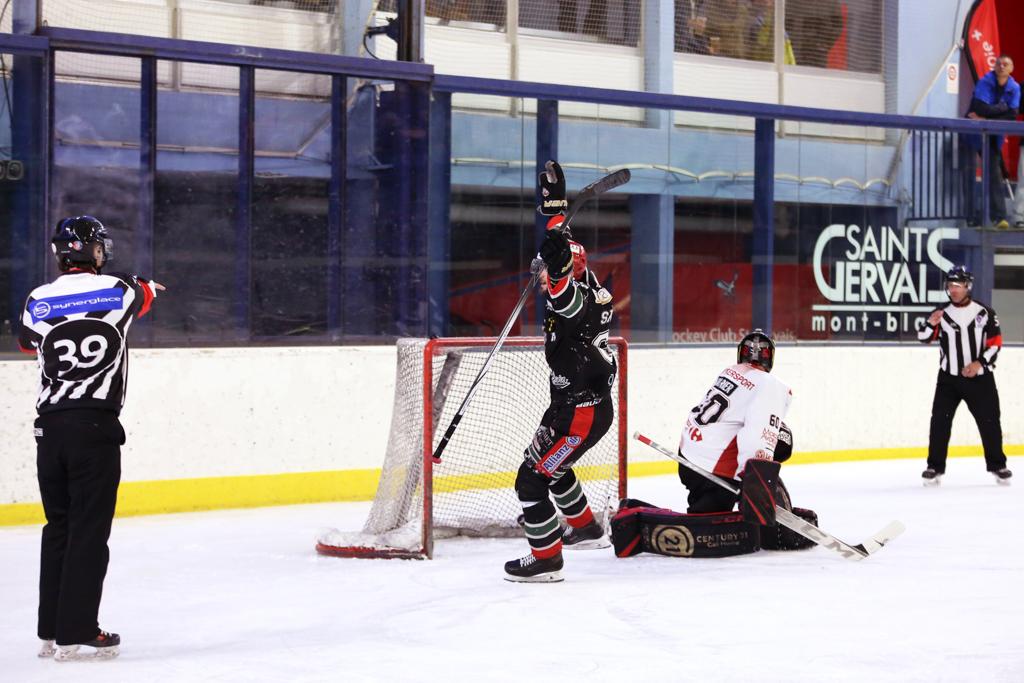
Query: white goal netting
column 471, row 492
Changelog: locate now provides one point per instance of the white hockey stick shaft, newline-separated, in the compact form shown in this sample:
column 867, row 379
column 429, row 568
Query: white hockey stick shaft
column 788, row 519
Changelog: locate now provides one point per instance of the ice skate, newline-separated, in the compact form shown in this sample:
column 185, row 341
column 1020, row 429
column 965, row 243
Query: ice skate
column 1003, row 476
column 530, row 569
column 931, row 478
column 103, row 646
column 588, row 537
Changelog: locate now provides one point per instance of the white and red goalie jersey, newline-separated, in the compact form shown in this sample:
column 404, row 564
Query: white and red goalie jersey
column 739, row 419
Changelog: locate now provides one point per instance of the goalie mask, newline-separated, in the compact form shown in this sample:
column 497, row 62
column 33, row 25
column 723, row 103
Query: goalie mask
column 74, row 239
column 757, row 348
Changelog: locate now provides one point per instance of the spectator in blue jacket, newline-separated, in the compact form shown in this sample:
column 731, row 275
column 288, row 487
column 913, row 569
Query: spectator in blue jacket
column 996, row 96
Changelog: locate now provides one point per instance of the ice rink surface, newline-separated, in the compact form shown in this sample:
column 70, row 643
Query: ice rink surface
column 242, row 596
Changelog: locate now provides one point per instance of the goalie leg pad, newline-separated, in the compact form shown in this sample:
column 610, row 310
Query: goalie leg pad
column 638, row 527
column 758, row 493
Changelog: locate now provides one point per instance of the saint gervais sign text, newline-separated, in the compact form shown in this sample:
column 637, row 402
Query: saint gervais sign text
column 881, row 271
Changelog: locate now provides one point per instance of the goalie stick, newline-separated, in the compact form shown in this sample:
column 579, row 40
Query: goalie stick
column 591, row 191
column 790, row 520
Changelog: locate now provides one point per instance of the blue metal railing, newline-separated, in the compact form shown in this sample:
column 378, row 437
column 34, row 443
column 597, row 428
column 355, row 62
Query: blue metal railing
column 937, row 185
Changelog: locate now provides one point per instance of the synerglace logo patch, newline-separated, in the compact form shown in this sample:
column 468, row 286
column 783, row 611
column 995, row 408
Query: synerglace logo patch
column 111, row 299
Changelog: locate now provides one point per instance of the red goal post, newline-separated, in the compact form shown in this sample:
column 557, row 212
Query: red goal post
column 471, row 491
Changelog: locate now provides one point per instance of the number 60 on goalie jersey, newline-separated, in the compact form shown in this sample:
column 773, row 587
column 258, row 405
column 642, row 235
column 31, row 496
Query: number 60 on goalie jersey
column 739, row 419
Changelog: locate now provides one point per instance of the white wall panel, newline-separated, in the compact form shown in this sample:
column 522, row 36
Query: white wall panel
column 221, row 412
column 723, row 79
column 834, row 90
column 582, row 64
column 468, row 52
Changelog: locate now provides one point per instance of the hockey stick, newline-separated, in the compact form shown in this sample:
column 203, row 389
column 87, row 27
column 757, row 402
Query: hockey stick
column 589, row 192
column 790, row 520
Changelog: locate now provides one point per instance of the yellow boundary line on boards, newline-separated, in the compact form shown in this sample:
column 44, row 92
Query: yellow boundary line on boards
column 218, row 493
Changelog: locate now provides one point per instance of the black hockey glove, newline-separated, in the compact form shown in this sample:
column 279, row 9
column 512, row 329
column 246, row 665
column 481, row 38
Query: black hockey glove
column 556, row 254
column 552, row 190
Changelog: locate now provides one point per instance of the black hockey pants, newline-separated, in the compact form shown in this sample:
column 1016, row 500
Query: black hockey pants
column 982, row 400
column 78, row 456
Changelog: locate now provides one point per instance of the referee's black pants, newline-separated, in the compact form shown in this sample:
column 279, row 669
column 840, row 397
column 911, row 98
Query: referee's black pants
column 78, row 456
column 982, row 400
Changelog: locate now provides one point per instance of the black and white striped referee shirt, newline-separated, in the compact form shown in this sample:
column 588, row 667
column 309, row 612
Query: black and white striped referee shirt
column 77, row 326
column 966, row 333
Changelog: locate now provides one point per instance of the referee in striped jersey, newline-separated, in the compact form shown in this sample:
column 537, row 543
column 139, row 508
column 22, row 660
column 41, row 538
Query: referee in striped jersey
column 77, row 327
column 969, row 342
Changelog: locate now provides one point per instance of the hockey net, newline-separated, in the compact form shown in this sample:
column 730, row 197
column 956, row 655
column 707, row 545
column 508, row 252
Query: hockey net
column 471, row 492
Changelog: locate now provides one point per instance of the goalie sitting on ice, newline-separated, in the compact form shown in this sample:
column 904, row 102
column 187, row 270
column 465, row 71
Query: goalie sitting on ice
column 737, row 433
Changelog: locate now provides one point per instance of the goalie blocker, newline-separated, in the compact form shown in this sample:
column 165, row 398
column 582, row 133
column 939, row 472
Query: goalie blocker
column 641, row 527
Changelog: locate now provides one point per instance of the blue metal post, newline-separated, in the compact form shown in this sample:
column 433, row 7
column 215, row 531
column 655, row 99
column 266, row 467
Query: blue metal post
column 763, row 251
column 986, row 214
column 652, row 259
column 659, row 55
column 400, row 243
column 547, row 149
column 143, row 238
column 25, row 16
column 30, row 113
column 243, row 216
column 336, row 202
column 439, row 221
column 147, row 167
column 362, row 272
column 418, row 135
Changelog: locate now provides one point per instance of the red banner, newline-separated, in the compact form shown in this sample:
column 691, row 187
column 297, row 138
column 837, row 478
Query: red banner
column 982, row 37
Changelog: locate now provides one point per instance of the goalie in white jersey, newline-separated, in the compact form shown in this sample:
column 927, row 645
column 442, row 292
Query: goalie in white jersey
column 737, row 433
column 740, row 418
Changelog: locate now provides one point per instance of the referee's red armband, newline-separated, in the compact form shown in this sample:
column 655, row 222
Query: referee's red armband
column 147, row 297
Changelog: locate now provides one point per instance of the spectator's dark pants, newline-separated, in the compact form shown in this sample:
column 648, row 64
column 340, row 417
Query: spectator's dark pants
column 78, row 457
column 996, row 191
column 982, row 400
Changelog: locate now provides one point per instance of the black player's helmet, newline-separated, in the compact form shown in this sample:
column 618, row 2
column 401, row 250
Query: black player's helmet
column 962, row 275
column 757, row 348
column 72, row 237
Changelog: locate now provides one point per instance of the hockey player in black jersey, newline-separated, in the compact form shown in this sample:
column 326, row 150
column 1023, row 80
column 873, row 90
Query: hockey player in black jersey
column 582, row 372
column 77, row 327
